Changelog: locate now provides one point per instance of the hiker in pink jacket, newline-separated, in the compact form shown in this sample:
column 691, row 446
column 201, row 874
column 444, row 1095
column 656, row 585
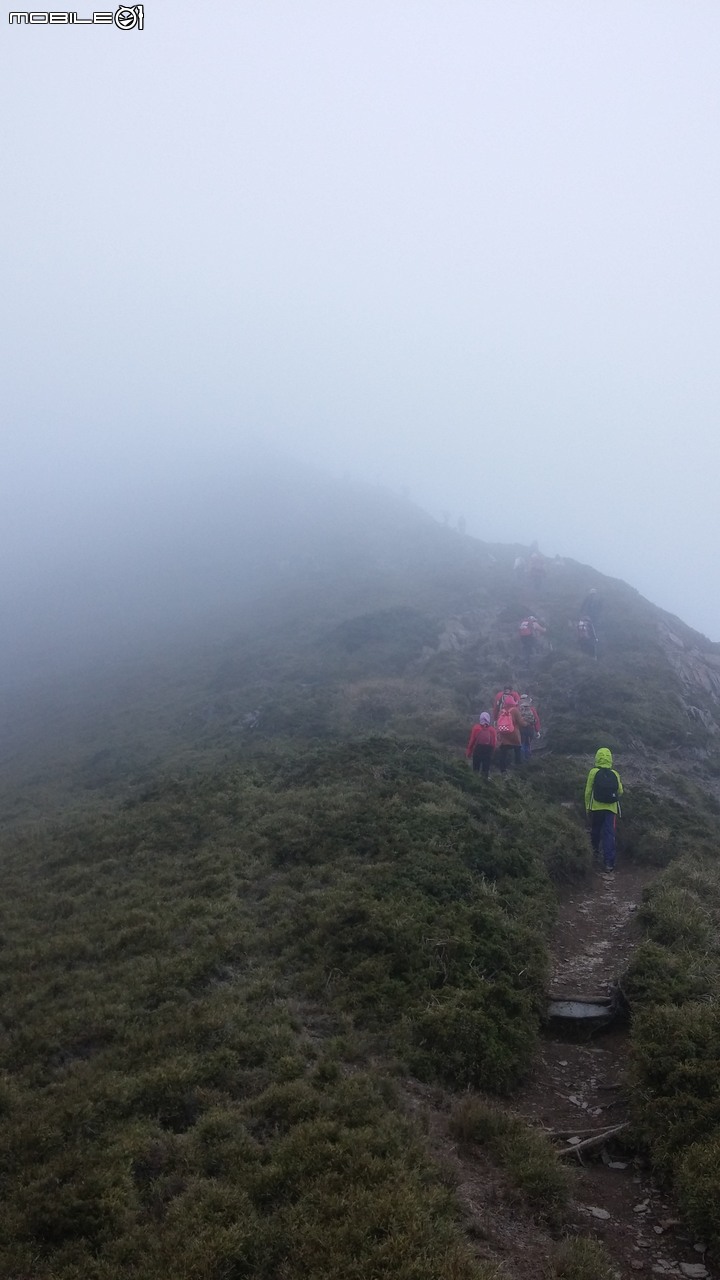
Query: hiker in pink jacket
column 509, row 731
column 500, row 697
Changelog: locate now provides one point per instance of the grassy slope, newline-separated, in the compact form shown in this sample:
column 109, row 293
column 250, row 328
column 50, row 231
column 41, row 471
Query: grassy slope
column 195, row 992
column 213, row 982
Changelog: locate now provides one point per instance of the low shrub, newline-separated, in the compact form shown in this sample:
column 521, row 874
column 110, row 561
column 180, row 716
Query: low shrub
column 526, row 1155
column 658, row 976
column 580, row 1259
column 676, row 1073
column 675, row 917
column 697, row 1183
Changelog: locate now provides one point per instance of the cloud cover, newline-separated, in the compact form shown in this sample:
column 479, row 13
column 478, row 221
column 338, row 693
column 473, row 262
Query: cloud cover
column 469, row 249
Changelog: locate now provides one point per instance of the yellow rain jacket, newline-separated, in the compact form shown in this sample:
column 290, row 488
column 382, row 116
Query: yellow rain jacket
column 603, row 760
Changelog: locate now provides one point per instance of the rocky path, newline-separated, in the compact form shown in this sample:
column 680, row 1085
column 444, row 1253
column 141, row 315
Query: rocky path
column 578, row 1086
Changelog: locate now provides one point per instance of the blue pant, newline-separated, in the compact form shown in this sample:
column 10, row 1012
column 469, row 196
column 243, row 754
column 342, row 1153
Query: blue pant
column 603, row 829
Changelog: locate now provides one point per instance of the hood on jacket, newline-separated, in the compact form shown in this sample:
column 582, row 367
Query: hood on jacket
column 603, row 758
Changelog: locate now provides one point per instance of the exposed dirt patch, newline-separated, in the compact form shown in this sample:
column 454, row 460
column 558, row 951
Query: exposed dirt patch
column 596, row 931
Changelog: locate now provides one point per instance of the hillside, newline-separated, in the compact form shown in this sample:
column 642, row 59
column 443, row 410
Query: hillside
column 321, row 611
column 257, row 905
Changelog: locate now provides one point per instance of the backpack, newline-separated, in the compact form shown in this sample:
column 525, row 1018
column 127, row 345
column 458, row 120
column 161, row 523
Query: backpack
column 527, row 714
column 505, row 723
column 605, row 786
column 526, row 627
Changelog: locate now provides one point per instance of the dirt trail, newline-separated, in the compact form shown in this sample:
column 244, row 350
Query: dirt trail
column 577, row 1085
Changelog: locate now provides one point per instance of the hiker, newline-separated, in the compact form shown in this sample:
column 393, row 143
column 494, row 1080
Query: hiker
column 536, row 569
column 587, row 637
column 481, row 746
column 530, row 724
column 519, row 568
column 602, row 805
column 529, row 630
column 506, row 691
column 591, row 606
column 509, row 727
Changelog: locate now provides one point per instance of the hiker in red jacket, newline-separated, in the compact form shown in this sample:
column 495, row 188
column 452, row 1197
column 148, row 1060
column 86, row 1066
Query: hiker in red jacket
column 506, row 691
column 509, row 728
column 530, row 724
column 529, row 630
column 481, row 746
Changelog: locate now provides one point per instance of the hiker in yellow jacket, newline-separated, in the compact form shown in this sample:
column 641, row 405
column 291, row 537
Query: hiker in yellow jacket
column 602, row 805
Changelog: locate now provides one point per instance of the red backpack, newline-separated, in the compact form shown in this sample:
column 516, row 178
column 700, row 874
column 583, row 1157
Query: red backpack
column 506, row 723
column 526, row 627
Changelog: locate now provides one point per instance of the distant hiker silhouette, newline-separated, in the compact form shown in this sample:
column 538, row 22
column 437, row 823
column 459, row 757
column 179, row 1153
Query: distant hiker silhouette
column 481, row 746
column 591, row 606
column 587, row 637
column 529, row 631
column 536, row 569
column 602, row 805
column 530, row 724
column 509, row 728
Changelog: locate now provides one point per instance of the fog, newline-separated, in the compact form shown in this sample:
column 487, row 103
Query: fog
column 467, row 251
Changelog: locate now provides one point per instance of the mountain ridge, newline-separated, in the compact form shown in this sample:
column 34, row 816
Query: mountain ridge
column 255, row 900
column 300, row 624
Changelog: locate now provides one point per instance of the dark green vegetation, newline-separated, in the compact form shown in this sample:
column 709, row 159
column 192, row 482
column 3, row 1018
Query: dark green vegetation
column 582, row 1260
column 251, row 887
column 193, row 991
column 674, row 987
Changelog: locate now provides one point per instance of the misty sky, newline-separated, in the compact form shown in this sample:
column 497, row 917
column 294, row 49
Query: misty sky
column 466, row 248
